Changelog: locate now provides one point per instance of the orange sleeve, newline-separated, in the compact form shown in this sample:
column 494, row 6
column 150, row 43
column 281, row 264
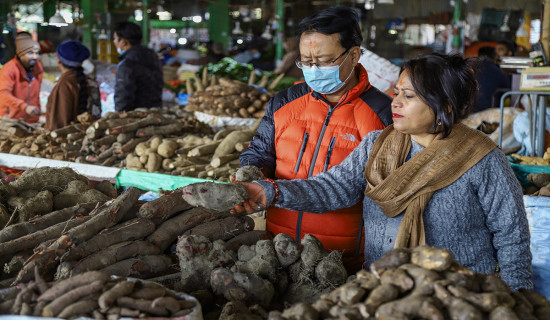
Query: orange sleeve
column 7, row 83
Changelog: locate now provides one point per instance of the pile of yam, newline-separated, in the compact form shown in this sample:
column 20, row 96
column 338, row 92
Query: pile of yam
column 422, row 283
column 105, row 141
column 124, row 237
column 539, row 161
column 229, row 98
column 267, row 273
column 214, row 158
column 95, row 295
column 540, row 184
column 42, row 190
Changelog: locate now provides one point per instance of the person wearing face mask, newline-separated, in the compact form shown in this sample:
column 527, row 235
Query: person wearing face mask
column 20, row 80
column 310, row 127
column 139, row 79
column 427, row 179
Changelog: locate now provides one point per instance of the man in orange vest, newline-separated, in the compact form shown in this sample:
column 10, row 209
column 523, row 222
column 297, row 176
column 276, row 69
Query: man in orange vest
column 311, row 127
column 20, row 80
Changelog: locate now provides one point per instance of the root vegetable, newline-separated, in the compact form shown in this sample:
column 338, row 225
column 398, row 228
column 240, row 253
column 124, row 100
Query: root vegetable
column 222, row 197
column 223, row 229
column 114, row 253
column 106, row 188
column 42, row 222
column 154, row 162
column 32, row 240
column 107, row 216
column 382, row 294
column 56, row 306
column 79, row 307
column 432, row 258
column 167, row 148
column 164, row 207
column 122, row 288
column 168, row 231
column 130, row 230
column 62, row 287
column 78, row 192
column 168, row 303
column 248, row 239
column 45, row 178
column 227, row 146
column 142, row 267
column 142, row 305
column 31, row 204
column 391, row 259
column 422, row 307
column 159, row 130
column 398, row 278
column 221, row 160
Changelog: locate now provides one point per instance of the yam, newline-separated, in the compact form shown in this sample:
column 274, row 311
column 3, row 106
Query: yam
column 78, row 192
column 32, row 203
column 391, row 259
column 221, row 197
column 164, row 207
column 46, row 178
column 142, row 267
column 223, row 229
column 62, row 287
column 58, row 304
column 432, row 258
column 128, row 231
column 227, row 145
column 114, row 253
column 168, row 231
column 122, row 288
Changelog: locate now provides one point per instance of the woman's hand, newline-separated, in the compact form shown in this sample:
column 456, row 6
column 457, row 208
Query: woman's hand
column 256, row 199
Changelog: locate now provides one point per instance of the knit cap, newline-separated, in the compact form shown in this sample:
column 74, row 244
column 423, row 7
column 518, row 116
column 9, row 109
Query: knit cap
column 24, row 43
column 72, row 53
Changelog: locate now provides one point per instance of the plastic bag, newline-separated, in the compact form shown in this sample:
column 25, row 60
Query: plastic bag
column 538, row 215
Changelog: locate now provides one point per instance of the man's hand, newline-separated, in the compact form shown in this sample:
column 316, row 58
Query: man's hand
column 256, row 199
column 32, row 110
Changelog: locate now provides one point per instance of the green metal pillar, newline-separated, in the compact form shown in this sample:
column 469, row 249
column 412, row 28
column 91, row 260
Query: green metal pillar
column 457, row 30
column 218, row 23
column 49, row 9
column 145, row 24
column 89, row 28
column 5, row 7
column 280, row 29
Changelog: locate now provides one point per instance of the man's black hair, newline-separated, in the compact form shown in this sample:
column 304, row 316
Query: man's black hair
column 341, row 20
column 487, row 52
column 129, row 31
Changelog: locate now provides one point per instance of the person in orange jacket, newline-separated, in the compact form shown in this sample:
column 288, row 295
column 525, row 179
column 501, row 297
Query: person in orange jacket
column 312, row 126
column 20, row 80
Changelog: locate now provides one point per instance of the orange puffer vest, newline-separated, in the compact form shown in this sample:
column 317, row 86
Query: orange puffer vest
column 17, row 90
column 311, row 136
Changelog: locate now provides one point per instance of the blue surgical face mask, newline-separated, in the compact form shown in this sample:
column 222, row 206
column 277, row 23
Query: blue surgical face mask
column 325, row 80
column 120, row 51
column 256, row 55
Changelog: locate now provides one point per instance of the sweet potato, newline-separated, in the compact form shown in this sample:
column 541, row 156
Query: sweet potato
column 142, row 305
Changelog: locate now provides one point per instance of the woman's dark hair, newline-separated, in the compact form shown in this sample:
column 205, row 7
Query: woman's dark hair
column 83, row 88
column 446, row 83
column 341, row 20
column 129, row 31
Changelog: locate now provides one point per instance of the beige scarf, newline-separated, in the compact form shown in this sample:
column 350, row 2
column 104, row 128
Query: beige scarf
column 397, row 186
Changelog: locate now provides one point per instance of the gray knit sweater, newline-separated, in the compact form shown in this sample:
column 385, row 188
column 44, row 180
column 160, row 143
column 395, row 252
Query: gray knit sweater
column 480, row 217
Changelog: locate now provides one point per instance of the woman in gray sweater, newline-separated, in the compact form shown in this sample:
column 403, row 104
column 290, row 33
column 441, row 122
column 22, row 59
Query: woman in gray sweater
column 425, row 180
